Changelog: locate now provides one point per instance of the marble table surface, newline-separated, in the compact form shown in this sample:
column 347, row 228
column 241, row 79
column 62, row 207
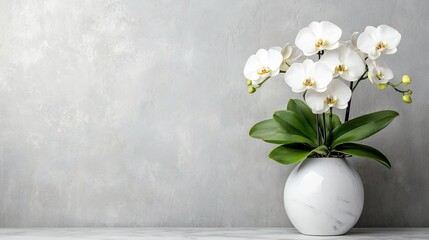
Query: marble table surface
column 203, row 233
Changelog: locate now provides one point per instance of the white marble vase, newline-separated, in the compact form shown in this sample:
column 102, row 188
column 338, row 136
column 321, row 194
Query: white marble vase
column 324, row 196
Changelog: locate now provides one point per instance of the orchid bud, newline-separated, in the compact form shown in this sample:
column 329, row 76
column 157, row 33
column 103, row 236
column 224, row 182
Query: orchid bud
column 406, row 79
column 382, row 86
column 251, row 90
column 249, row 82
column 407, row 99
column 409, row 92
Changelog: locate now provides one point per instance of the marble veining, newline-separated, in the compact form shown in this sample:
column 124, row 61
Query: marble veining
column 203, row 233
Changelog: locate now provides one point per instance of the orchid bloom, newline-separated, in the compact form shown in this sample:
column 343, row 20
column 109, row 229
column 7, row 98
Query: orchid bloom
column 353, row 44
column 378, row 72
column 308, row 75
column 262, row 65
column 317, row 37
column 337, row 95
column 344, row 62
column 290, row 54
column 374, row 41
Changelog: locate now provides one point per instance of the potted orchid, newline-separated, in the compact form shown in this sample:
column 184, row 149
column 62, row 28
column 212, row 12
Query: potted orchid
column 324, row 194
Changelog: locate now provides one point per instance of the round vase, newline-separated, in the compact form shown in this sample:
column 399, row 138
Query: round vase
column 324, row 196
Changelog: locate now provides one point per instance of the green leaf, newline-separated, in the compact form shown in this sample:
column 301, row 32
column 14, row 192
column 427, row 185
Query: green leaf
column 335, row 121
column 269, row 131
column 322, row 150
column 362, row 127
column 301, row 108
column 363, row 151
column 293, row 124
column 294, row 153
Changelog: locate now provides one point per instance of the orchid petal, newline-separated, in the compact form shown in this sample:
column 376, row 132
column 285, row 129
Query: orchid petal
column 355, row 37
column 286, row 51
column 330, row 32
column 390, row 51
column 322, row 76
column 296, row 55
column 332, row 60
column 305, row 41
column 316, row 101
column 365, row 42
column 262, row 55
column 340, row 90
column 294, row 77
column 274, row 60
column 388, row 74
column 354, row 63
column 389, row 35
column 250, row 69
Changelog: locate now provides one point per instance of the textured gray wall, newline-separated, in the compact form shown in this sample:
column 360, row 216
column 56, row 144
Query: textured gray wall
column 135, row 113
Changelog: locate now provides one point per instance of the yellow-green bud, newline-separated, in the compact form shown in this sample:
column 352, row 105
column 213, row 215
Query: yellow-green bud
column 251, row 90
column 382, row 86
column 406, row 79
column 249, row 82
column 409, row 92
column 407, row 99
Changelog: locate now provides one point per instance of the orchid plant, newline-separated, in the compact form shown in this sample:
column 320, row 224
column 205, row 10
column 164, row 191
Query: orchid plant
column 327, row 72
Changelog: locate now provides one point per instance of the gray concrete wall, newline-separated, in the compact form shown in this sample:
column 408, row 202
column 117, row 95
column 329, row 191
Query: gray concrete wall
column 136, row 113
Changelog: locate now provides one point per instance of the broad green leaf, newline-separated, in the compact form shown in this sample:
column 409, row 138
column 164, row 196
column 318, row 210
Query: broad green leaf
column 322, row 150
column 300, row 108
column 294, row 153
column 269, row 131
column 293, row 124
column 335, row 121
column 362, row 127
column 363, row 151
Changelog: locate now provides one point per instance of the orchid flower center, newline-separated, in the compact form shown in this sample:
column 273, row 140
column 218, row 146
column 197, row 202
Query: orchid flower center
column 320, row 43
column 341, row 68
column 380, row 46
column 263, row 70
column 331, row 100
column 379, row 74
column 308, row 83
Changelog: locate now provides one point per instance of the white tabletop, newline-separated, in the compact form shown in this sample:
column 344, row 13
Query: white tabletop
column 202, row 233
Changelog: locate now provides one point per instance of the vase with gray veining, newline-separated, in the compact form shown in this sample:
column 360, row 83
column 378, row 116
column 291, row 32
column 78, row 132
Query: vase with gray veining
column 324, row 196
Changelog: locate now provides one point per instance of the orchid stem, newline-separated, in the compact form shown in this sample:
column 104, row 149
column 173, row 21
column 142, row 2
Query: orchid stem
column 331, row 127
column 363, row 77
column 397, row 89
column 317, row 129
column 324, row 127
column 346, row 118
column 260, row 84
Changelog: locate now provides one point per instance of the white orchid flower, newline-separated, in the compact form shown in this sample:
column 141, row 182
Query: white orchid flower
column 337, row 95
column 317, row 37
column 344, row 62
column 290, row 55
column 308, row 75
column 378, row 72
column 353, row 44
column 354, row 39
column 374, row 41
column 262, row 65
